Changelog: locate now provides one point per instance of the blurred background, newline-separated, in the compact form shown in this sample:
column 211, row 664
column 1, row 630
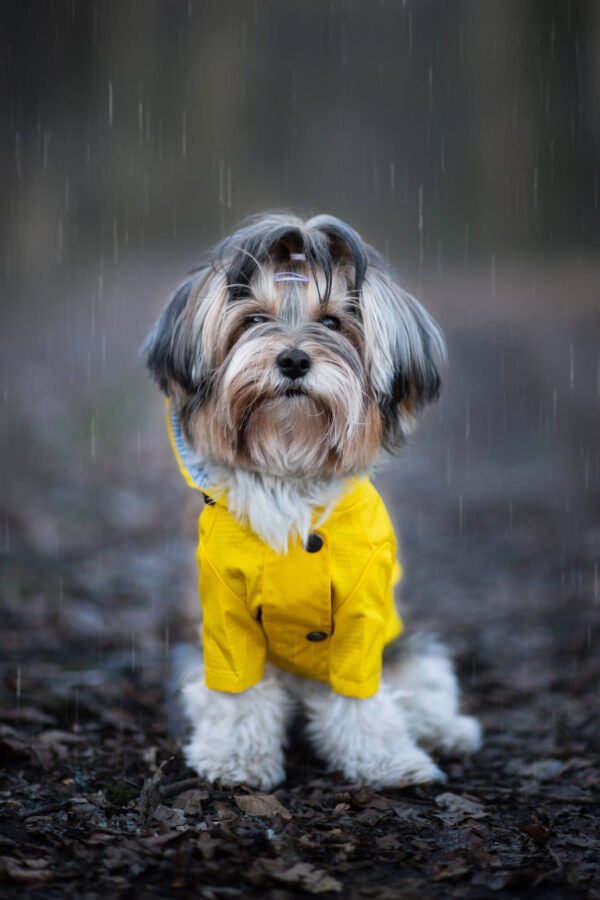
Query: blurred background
column 462, row 138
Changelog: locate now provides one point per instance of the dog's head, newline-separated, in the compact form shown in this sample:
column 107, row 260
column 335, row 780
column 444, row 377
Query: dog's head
column 294, row 351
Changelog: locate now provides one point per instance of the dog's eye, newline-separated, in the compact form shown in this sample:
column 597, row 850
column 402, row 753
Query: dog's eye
column 331, row 322
column 256, row 319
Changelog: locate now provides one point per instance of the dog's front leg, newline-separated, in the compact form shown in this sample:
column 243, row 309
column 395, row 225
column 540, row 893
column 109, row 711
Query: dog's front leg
column 237, row 738
column 368, row 740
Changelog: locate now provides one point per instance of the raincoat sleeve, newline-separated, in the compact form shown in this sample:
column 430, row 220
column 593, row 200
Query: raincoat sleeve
column 234, row 641
column 364, row 623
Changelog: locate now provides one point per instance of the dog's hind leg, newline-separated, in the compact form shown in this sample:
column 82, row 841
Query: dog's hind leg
column 419, row 672
column 368, row 740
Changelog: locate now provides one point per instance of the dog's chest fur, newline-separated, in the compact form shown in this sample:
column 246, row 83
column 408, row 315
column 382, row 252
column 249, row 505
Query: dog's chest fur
column 277, row 509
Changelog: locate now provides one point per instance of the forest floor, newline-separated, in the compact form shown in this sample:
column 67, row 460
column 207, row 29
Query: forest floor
column 496, row 503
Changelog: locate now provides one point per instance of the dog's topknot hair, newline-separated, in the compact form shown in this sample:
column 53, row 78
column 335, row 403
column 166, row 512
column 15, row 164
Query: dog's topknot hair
column 325, row 241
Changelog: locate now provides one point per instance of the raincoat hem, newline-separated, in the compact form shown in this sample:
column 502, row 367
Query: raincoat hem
column 361, row 690
column 223, row 681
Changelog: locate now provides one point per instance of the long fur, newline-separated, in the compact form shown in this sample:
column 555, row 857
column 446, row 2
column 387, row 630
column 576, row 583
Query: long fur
column 382, row 741
column 277, row 509
column 281, row 447
column 242, row 736
column 214, row 352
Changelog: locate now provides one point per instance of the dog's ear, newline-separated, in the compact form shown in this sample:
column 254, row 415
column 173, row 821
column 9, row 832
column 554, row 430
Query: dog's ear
column 170, row 350
column 404, row 349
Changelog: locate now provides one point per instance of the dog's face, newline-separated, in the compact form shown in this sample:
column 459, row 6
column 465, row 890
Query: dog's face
column 293, row 351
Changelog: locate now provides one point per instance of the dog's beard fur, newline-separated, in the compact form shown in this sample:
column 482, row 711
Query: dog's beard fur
column 256, row 418
column 367, row 378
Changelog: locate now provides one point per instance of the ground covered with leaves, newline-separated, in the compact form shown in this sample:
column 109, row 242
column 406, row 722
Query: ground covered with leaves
column 496, row 505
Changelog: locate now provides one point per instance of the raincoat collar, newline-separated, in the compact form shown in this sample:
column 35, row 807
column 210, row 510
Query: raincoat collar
column 191, row 467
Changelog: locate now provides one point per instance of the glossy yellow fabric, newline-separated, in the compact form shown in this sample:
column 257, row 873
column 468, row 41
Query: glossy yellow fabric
column 259, row 605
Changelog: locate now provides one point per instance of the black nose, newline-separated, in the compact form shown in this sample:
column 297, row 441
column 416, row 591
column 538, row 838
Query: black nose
column 293, row 363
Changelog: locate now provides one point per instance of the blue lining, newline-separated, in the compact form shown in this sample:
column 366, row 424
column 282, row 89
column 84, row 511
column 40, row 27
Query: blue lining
column 195, row 469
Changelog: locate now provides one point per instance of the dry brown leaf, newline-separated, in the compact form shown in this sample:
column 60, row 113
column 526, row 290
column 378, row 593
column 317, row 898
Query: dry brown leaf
column 389, row 842
column 453, row 870
column 456, row 808
column 207, row 845
column 32, row 871
column 315, row 881
column 262, row 805
column 190, row 801
column 168, row 816
column 225, row 812
column 536, row 833
column 340, row 808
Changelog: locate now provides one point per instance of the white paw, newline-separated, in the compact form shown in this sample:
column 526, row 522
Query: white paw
column 408, row 766
column 237, row 738
column 259, row 770
column 461, row 735
column 368, row 739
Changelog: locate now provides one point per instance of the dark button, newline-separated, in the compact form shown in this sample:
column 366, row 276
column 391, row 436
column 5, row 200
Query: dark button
column 208, row 500
column 314, row 543
column 316, row 636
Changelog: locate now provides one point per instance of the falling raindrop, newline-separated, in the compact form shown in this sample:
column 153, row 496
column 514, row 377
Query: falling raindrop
column 18, row 156
column 571, row 367
column 93, row 438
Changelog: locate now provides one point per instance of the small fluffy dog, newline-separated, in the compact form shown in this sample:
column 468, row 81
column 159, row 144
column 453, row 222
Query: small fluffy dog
column 290, row 361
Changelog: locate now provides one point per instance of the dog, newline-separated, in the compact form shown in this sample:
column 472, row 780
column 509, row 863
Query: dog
column 291, row 361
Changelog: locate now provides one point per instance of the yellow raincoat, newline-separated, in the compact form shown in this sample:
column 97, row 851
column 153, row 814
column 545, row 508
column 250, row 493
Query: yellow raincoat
column 324, row 611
